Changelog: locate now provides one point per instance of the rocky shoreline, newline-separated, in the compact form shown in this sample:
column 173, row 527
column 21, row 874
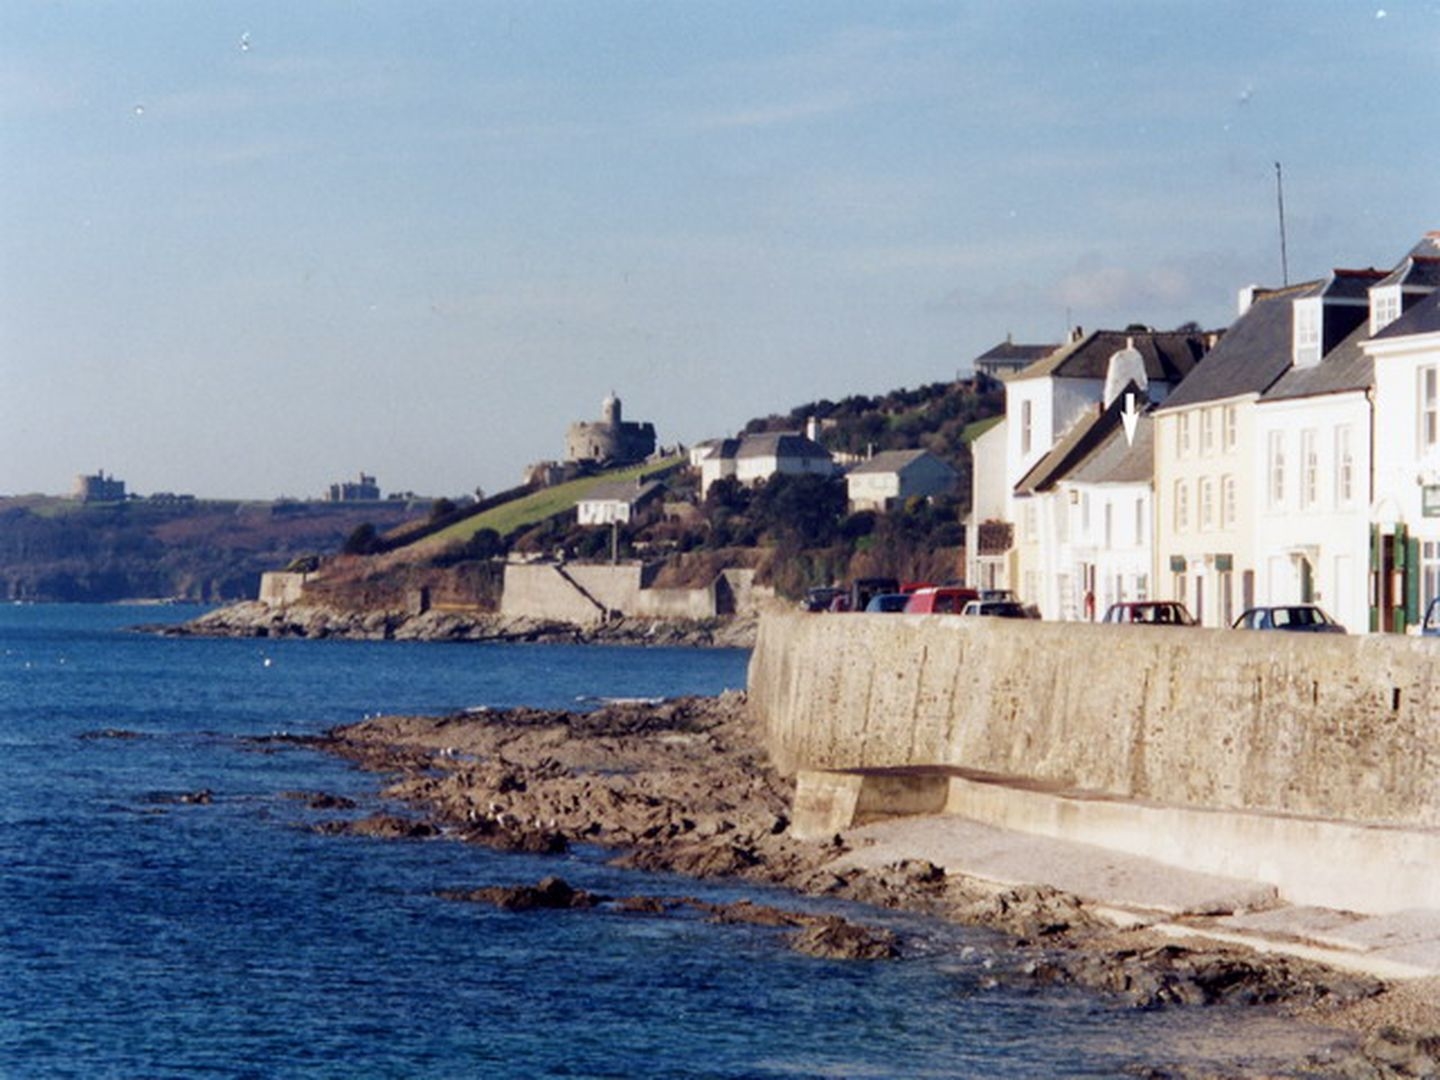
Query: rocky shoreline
column 684, row 786
column 253, row 619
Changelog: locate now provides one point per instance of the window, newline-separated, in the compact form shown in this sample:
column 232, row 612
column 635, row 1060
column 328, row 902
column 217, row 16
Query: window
column 1309, row 470
column 1025, row 432
column 1139, row 522
column 1307, row 332
column 1277, row 468
column 1207, row 432
column 1384, row 307
column 1182, row 435
column 1428, row 402
column 1182, row 506
column 1344, row 466
column 1109, row 524
column 1230, row 420
column 1429, row 572
column 1227, row 502
column 1207, row 503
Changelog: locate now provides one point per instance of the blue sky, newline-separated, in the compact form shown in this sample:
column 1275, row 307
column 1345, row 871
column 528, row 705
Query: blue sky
column 251, row 248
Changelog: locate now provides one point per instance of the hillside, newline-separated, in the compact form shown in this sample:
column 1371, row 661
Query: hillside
column 796, row 531
column 54, row 549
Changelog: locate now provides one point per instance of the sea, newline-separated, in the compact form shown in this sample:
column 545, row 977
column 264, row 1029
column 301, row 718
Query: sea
column 168, row 908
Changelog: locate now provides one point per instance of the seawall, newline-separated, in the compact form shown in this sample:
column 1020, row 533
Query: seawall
column 1311, row 762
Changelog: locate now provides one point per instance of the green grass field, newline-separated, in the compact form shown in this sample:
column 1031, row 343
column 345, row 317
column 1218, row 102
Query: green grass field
column 532, row 509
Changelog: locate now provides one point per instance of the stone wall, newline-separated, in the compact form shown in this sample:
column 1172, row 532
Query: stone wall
column 585, row 593
column 1319, row 725
column 1309, row 761
column 281, row 587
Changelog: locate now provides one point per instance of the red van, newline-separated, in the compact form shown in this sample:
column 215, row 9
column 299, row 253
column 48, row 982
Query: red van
column 940, row 600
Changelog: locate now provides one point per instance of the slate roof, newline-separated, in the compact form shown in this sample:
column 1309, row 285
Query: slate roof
column 1423, row 317
column 892, row 461
column 1115, row 461
column 721, row 449
column 1076, row 446
column 780, row 444
column 1345, row 367
column 623, row 491
column 1352, row 284
column 1254, row 352
column 1421, row 270
column 1009, row 352
column 1429, row 244
column 1169, row 356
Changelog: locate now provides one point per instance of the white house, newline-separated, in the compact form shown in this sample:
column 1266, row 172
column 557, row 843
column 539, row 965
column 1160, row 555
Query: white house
column 1044, row 403
column 892, row 476
column 1405, row 508
column 1312, row 465
column 989, row 535
column 752, row 459
column 616, row 501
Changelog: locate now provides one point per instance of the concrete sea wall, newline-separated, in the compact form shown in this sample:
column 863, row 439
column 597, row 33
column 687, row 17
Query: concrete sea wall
column 586, row 593
column 1310, row 761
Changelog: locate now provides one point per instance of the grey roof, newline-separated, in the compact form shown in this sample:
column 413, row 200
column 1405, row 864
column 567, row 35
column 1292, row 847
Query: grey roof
column 1429, row 244
column 1008, row 352
column 623, row 491
column 894, row 461
column 1352, row 284
column 1254, row 352
column 1423, row 317
column 720, row 449
column 1345, row 367
column 1415, row 270
column 1169, row 355
column 780, row 444
column 1116, row 461
column 1076, row 446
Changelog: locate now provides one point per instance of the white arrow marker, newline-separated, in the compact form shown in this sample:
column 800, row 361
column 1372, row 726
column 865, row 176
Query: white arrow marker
column 1130, row 417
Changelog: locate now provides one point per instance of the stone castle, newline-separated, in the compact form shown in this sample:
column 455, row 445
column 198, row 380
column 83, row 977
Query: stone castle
column 611, row 440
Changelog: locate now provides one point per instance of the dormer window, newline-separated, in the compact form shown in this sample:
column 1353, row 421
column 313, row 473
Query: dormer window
column 1307, row 332
column 1384, row 307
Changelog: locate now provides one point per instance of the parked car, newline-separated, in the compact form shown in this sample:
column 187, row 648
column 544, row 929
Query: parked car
column 887, row 602
column 1003, row 609
column 940, row 600
column 1152, row 612
column 1300, row 618
column 863, row 589
column 819, row 598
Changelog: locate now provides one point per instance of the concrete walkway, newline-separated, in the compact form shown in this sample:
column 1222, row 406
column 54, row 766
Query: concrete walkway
column 1130, row 890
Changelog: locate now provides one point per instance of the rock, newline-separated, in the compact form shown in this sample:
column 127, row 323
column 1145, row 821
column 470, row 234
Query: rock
column 382, row 826
column 1030, row 911
column 551, row 893
column 321, row 800
column 836, row 939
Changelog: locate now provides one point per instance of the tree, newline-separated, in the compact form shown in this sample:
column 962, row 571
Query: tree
column 363, row 540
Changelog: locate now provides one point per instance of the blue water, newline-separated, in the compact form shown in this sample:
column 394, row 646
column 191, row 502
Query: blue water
column 143, row 937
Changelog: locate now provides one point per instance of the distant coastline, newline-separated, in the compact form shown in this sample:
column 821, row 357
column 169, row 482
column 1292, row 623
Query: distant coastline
column 252, row 619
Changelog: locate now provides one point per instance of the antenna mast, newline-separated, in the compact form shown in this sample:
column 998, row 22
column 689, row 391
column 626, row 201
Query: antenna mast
column 1280, row 200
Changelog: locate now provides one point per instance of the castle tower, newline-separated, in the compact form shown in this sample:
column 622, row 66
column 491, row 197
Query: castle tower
column 610, row 410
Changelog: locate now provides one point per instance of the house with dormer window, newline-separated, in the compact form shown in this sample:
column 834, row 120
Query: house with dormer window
column 1045, row 404
column 1246, row 499
column 1313, row 432
column 1404, row 518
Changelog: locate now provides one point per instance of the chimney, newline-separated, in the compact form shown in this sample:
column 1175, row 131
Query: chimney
column 1077, row 334
column 812, row 429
